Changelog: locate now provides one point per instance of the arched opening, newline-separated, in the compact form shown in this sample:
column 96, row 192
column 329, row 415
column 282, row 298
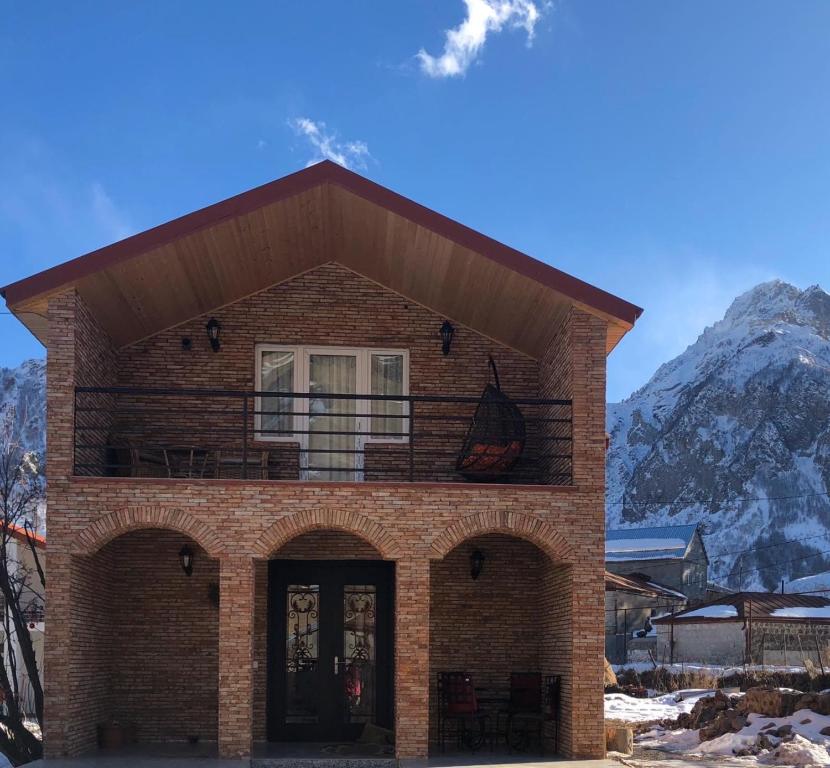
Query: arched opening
column 143, row 661
column 324, row 646
column 500, row 606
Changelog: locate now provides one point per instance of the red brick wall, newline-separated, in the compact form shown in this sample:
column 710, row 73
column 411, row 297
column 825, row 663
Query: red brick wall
column 233, row 519
column 556, row 653
column 489, row 627
column 144, row 640
column 91, row 649
column 164, row 633
column 329, row 306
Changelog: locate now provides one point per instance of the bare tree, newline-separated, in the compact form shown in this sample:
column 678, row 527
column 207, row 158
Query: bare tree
column 21, row 589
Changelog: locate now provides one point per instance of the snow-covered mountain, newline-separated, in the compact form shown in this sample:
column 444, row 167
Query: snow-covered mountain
column 735, row 432
column 23, row 389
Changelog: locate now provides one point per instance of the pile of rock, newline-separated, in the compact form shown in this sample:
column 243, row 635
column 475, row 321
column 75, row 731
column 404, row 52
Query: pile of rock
column 720, row 714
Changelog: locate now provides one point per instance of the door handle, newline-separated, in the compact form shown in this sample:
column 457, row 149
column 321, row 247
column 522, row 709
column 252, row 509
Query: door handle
column 336, row 665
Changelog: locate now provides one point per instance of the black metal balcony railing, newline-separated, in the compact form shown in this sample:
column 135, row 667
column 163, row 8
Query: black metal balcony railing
column 201, row 433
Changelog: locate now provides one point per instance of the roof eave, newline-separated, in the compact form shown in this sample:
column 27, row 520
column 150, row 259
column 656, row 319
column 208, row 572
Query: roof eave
column 616, row 310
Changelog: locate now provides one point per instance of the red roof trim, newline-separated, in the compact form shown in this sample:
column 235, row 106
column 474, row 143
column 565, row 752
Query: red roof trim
column 301, row 181
column 19, row 533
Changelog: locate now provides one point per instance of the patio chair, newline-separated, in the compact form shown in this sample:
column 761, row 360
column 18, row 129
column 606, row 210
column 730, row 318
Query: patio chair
column 228, row 464
column 552, row 707
column 524, row 713
column 457, row 704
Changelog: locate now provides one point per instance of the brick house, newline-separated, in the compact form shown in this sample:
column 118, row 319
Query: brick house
column 262, row 522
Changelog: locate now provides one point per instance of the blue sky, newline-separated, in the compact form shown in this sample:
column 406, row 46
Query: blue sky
column 672, row 153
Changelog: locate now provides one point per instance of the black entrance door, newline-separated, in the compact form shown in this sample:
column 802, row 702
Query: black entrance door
column 329, row 648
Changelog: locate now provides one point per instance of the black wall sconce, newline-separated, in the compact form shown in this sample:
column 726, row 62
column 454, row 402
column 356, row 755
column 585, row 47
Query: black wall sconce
column 447, row 331
column 186, row 559
column 476, row 563
column 213, row 327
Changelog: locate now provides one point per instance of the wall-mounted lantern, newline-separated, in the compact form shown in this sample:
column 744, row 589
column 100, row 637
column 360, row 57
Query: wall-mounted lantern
column 447, row 331
column 476, row 563
column 186, row 559
column 213, row 327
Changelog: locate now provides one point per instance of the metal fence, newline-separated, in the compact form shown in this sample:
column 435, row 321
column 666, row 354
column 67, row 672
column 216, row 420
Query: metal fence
column 199, row 433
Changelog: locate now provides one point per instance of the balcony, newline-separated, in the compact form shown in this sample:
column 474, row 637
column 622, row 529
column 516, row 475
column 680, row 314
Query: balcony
column 317, row 437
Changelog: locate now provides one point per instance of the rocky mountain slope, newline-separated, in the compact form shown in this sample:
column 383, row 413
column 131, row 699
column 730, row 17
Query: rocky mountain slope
column 23, row 389
column 735, row 433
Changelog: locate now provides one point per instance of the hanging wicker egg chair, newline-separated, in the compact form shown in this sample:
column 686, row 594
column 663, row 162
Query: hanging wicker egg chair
column 496, row 436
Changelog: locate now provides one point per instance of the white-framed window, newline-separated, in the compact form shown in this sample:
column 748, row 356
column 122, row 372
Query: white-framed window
column 331, row 370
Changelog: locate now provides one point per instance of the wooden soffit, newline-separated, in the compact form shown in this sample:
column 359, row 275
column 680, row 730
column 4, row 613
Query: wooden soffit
column 220, row 254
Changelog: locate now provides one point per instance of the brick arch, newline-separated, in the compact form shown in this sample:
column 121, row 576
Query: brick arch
column 122, row 521
column 517, row 524
column 283, row 530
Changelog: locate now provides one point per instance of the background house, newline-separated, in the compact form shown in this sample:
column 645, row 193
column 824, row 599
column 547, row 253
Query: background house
column 749, row 627
column 673, row 556
column 630, row 604
column 23, row 571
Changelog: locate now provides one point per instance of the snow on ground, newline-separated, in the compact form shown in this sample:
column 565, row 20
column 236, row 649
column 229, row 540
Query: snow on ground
column 712, row 669
column 817, row 581
column 810, row 747
column 618, row 706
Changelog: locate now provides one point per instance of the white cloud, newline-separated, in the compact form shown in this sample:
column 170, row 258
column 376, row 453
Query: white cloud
column 349, row 154
column 464, row 43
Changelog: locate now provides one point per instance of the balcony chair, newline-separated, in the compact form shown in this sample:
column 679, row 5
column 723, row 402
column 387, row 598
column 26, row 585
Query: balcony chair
column 457, row 704
column 495, row 439
column 228, row 464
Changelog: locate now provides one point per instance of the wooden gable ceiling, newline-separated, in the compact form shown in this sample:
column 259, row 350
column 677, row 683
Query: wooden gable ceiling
column 216, row 256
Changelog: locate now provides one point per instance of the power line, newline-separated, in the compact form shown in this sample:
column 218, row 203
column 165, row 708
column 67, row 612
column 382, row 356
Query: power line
column 721, row 555
column 714, row 501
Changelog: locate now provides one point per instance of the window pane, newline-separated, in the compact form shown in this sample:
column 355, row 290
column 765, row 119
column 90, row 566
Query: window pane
column 277, row 376
column 332, row 424
column 302, row 612
column 387, row 379
column 359, row 621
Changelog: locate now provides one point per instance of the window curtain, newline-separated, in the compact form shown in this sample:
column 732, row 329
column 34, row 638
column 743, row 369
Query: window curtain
column 387, row 379
column 277, row 376
column 332, row 374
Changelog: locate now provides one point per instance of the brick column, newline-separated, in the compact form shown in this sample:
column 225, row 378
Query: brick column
column 57, row 657
column 236, row 655
column 588, row 337
column 587, row 733
column 588, row 393
column 60, row 387
column 412, row 658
